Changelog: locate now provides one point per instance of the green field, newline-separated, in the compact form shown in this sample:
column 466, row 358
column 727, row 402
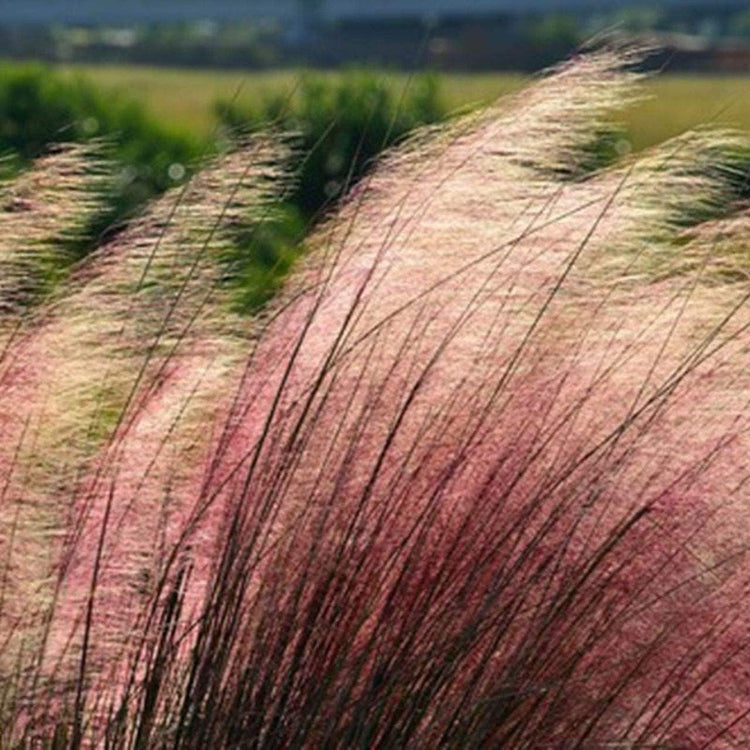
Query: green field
column 184, row 98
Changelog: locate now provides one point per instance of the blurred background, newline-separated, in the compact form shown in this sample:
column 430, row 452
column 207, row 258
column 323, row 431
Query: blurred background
column 451, row 35
column 166, row 83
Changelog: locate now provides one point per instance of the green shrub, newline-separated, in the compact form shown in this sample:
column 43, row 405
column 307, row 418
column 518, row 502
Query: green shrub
column 341, row 125
column 39, row 107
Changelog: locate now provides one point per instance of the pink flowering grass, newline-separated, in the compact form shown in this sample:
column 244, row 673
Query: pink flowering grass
column 72, row 381
column 481, row 480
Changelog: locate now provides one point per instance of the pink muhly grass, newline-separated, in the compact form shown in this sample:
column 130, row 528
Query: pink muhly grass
column 481, row 481
column 141, row 309
column 465, row 519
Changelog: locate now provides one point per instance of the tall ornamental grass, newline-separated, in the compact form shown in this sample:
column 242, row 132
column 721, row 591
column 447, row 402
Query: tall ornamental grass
column 476, row 477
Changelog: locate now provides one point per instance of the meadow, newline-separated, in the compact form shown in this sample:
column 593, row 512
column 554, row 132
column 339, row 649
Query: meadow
column 475, row 475
column 184, row 99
